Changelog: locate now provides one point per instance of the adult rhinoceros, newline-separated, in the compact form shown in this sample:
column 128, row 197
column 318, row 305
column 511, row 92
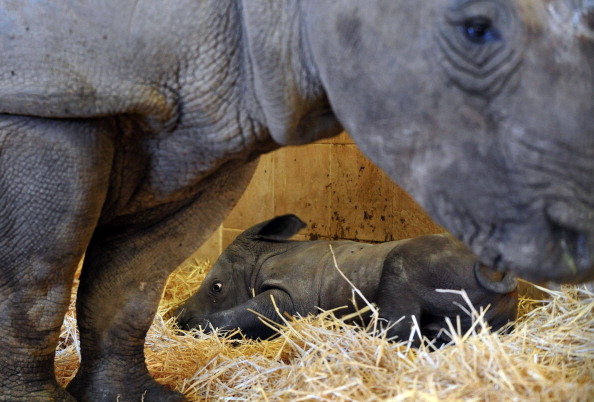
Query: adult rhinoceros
column 128, row 130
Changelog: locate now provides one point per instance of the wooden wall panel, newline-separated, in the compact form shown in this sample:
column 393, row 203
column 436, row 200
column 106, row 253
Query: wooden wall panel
column 301, row 183
column 333, row 187
column 362, row 197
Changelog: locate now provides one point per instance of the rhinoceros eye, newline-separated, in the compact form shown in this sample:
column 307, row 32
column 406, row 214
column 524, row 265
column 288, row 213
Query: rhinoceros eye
column 217, row 286
column 480, row 30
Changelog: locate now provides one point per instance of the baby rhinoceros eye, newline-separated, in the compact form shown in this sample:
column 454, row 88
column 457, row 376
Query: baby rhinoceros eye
column 217, row 286
column 480, row 30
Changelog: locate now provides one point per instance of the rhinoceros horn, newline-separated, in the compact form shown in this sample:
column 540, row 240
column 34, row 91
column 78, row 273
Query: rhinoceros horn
column 588, row 14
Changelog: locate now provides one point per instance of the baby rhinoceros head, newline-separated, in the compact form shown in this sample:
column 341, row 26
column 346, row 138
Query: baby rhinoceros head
column 230, row 282
column 224, row 287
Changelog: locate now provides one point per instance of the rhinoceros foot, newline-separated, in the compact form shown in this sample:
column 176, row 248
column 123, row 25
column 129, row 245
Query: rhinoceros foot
column 55, row 393
column 98, row 389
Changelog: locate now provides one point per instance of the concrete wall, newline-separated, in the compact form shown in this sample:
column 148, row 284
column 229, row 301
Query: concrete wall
column 331, row 186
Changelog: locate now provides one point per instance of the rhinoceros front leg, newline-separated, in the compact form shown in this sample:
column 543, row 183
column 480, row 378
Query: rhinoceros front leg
column 120, row 287
column 53, row 179
column 248, row 316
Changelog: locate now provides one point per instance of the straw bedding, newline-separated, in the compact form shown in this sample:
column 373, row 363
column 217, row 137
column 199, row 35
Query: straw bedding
column 548, row 356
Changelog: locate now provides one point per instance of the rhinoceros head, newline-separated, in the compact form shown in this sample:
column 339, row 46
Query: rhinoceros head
column 222, row 288
column 231, row 280
column 483, row 110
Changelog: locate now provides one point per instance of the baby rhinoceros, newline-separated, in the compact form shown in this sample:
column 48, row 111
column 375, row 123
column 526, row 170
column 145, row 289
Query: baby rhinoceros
column 400, row 277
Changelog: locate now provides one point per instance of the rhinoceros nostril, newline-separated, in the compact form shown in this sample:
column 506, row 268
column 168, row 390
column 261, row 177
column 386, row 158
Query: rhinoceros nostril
column 574, row 248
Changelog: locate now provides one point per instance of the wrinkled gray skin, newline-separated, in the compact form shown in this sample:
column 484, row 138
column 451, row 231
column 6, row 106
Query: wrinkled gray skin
column 400, row 277
column 127, row 129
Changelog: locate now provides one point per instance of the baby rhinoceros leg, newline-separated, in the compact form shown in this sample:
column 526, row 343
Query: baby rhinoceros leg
column 401, row 313
column 251, row 317
column 397, row 301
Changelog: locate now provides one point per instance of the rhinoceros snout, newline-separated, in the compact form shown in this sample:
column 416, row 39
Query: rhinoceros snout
column 576, row 255
column 556, row 244
column 189, row 323
column 183, row 318
column 180, row 317
column 573, row 233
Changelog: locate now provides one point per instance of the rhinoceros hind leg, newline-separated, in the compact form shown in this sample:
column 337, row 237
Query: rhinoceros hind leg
column 398, row 307
column 400, row 324
column 396, row 298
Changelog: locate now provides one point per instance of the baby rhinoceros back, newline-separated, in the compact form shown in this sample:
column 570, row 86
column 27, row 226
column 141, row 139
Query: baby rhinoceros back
column 403, row 278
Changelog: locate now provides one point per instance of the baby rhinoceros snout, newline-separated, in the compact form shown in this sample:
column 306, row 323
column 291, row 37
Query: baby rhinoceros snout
column 184, row 319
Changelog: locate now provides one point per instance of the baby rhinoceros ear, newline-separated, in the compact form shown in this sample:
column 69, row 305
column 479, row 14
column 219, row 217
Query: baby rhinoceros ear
column 280, row 228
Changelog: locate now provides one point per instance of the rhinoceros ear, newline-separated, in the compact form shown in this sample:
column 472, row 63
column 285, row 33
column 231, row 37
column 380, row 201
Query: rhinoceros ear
column 280, row 228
